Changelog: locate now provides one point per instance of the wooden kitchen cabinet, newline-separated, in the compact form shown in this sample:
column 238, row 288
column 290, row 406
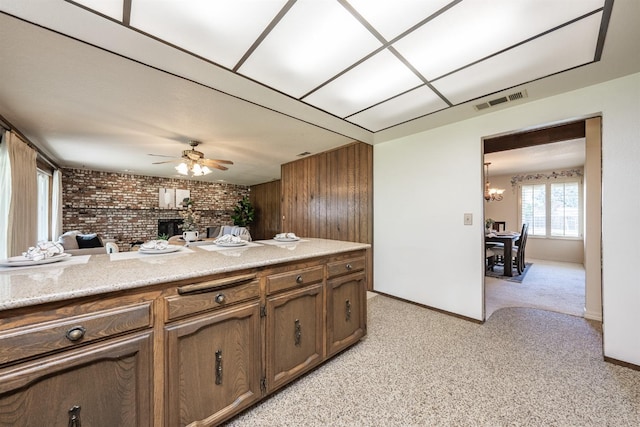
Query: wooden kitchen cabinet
column 213, row 365
column 295, row 325
column 100, row 385
column 346, row 311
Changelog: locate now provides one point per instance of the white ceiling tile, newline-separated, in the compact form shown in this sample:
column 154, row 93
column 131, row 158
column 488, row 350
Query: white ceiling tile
column 219, row 30
column 475, row 29
column 392, row 18
column 314, row 41
column 416, row 103
column 376, row 79
column 110, row 8
column 565, row 48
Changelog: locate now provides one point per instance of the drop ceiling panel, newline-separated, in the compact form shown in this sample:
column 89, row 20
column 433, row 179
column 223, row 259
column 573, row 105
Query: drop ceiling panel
column 313, row 42
column 111, row 8
column 392, row 18
column 221, row 31
column 375, row 80
column 560, row 50
column 415, row 103
column 473, row 29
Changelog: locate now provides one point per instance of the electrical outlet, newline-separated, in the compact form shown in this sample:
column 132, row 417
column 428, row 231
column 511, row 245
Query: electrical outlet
column 468, row 219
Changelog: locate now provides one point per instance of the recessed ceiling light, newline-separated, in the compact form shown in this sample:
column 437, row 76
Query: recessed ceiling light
column 305, row 153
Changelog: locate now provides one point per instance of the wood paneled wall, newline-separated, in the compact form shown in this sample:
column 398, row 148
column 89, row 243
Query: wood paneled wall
column 265, row 199
column 330, row 195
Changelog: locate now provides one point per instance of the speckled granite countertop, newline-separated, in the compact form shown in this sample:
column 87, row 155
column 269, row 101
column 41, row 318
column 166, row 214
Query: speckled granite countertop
column 96, row 274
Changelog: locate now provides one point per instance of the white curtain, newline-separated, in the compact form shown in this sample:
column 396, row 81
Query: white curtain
column 5, row 194
column 56, row 205
column 22, row 229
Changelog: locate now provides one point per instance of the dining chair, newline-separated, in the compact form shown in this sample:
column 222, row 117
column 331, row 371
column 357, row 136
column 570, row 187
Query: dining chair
column 517, row 251
column 499, row 225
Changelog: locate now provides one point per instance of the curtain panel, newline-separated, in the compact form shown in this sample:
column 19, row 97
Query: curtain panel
column 5, row 195
column 23, row 205
column 56, row 205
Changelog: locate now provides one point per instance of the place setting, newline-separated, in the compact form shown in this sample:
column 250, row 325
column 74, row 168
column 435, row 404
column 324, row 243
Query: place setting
column 288, row 240
column 151, row 248
column 228, row 241
column 41, row 255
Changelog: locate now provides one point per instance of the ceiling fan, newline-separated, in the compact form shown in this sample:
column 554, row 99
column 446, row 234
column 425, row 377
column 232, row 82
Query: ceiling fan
column 193, row 161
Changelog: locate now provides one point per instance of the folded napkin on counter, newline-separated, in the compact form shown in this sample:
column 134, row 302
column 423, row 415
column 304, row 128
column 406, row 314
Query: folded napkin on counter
column 41, row 251
column 155, row 244
column 286, row 236
column 229, row 238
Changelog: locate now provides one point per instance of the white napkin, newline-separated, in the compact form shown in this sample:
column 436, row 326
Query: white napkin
column 42, row 250
column 155, row 244
column 229, row 238
column 286, row 236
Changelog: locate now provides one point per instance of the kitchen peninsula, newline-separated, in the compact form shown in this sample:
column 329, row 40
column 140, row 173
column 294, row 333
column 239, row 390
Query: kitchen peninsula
column 187, row 338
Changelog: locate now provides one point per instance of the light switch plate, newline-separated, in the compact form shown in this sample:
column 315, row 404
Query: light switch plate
column 468, row 219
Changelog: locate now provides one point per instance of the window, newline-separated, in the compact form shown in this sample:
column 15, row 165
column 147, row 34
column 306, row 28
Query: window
column 552, row 209
column 44, row 203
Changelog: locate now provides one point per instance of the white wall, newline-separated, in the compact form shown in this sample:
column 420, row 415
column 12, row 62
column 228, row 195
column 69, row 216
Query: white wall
column 424, row 183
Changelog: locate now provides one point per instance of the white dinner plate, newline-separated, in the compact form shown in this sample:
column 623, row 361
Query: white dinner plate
column 20, row 261
column 286, row 239
column 231, row 244
column 167, row 250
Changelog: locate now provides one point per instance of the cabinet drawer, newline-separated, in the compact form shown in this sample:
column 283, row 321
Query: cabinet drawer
column 212, row 294
column 346, row 266
column 293, row 279
column 30, row 341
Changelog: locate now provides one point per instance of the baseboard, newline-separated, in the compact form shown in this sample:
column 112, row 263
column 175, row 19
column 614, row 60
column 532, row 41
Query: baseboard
column 592, row 315
column 621, row 363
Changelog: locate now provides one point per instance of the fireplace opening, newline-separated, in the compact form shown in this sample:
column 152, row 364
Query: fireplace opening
column 170, row 227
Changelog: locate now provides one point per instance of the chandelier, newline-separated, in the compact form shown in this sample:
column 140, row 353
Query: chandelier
column 491, row 194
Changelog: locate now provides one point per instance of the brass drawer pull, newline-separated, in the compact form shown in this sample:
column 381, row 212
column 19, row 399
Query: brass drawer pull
column 297, row 339
column 76, row 333
column 74, row 416
column 220, row 298
column 348, row 267
column 299, row 279
column 219, row 367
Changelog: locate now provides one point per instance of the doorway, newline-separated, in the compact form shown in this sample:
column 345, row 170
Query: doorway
column 585, row 251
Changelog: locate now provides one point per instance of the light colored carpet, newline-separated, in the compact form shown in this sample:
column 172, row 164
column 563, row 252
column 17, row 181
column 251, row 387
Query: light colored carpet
column 549, row 285
column 418, row 367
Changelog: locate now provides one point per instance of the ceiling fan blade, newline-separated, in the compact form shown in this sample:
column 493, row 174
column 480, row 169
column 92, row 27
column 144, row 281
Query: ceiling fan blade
column 212, row 164
column 167, row 161
column 162, row 155
column 225, row 162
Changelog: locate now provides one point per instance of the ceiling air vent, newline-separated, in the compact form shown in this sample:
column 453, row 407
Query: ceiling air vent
column 497, row 101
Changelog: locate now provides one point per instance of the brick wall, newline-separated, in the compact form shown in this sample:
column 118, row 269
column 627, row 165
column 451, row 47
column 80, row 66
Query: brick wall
column 125, row 207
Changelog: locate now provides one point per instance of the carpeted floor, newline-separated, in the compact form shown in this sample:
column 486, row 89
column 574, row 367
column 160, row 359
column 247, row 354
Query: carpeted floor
column 418, row 367
column 555, row 286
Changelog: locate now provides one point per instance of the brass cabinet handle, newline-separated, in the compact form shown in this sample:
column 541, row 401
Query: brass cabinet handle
column 297, row 339
column 299, row 279
column 348, row 267
column 220, row 298
column 219, row 367
column 76, row 333
column 347, row 304
column 74, row 416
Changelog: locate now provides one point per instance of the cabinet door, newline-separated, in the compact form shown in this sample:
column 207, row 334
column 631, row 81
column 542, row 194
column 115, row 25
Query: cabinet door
column 294, row 334
column 213, row 365
column 346, row 311
column 98, row 385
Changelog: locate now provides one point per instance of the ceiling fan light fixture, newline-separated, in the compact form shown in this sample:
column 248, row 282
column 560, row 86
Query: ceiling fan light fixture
column 182, row 169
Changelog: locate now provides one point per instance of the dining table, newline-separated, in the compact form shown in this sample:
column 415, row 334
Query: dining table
column 507, row 239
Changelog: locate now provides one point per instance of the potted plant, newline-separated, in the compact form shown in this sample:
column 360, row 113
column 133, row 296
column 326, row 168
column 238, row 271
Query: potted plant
column 190, row 217
column 488, row 224
column 243, row 213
